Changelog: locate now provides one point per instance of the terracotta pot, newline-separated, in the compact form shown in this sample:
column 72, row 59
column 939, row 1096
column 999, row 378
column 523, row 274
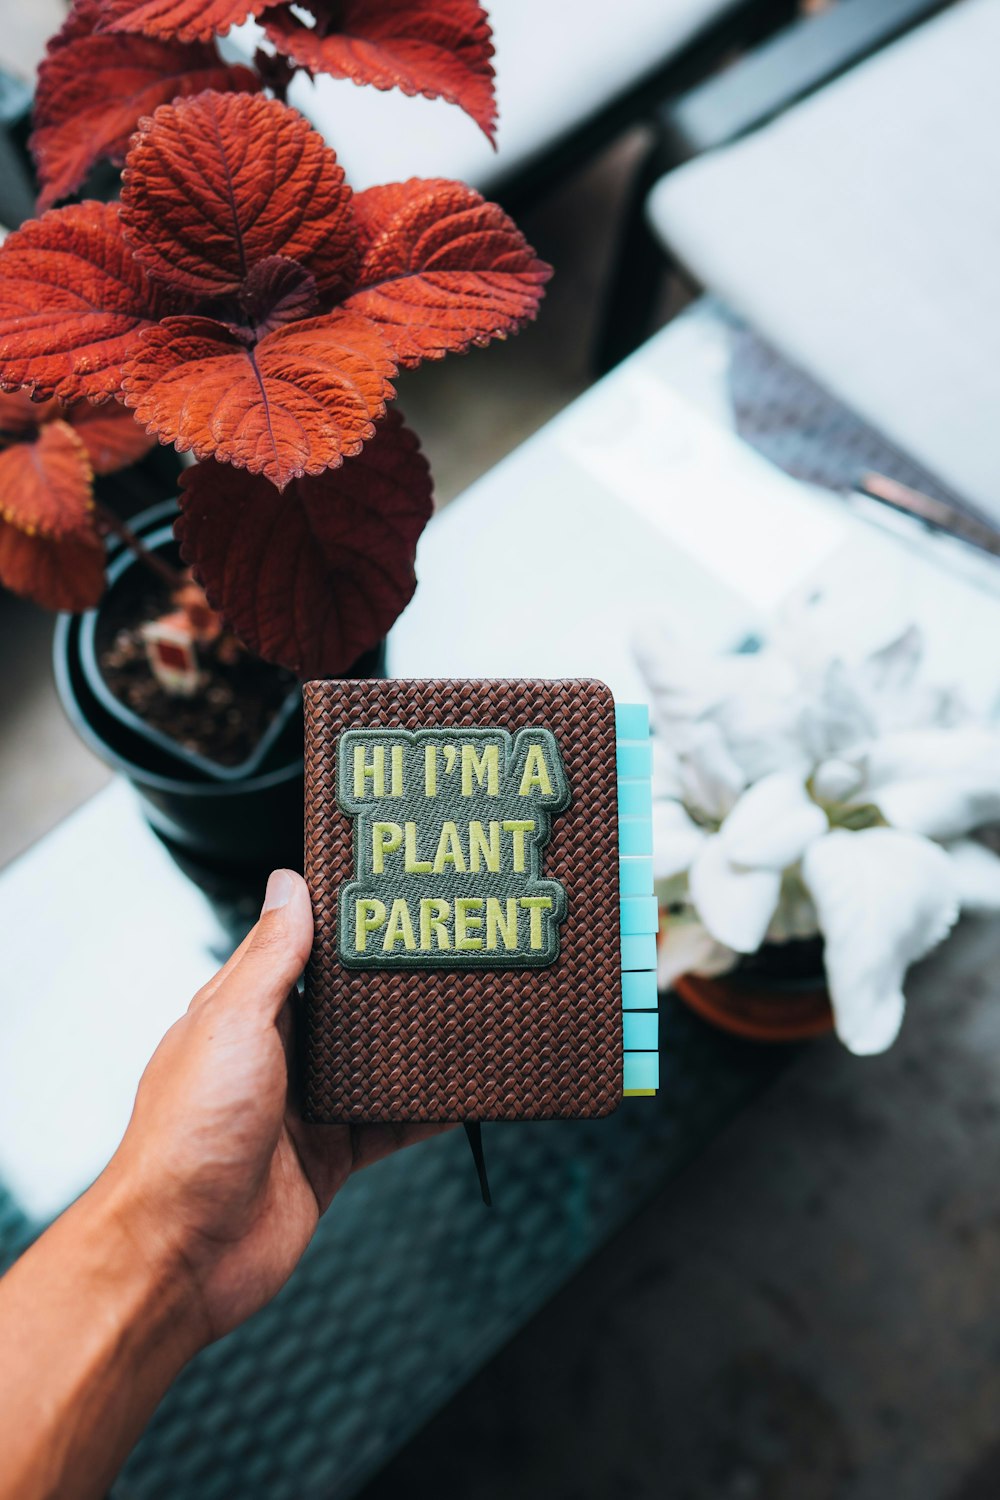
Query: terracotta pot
column 778, row 995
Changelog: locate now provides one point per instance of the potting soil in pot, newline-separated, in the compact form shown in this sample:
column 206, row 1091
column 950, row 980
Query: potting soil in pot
column 226, row 719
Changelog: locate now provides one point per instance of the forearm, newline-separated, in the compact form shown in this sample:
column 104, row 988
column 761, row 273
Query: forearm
column 95, row 1322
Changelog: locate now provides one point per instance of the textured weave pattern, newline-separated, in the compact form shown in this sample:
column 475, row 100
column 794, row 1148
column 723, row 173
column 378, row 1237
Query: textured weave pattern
column 783, row 413
column 537, row 1044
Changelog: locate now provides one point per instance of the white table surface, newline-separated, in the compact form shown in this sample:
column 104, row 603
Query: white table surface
column 641, row 503
column 555, row 69
column 856, row 232
column 636, row 502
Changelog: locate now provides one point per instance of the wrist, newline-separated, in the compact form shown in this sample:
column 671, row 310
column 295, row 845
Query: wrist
column 102, row 1318
column 146, row 1265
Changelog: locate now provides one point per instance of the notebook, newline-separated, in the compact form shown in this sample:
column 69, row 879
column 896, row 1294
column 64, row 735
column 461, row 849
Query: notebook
column 462, row 852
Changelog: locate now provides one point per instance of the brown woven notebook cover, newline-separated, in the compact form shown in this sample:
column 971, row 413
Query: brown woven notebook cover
column 525, row 1021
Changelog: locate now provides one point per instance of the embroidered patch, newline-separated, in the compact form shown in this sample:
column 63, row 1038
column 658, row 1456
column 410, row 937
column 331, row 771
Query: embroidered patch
column 449, row 830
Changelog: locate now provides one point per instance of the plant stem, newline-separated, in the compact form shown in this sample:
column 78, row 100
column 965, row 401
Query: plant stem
column 111, row 523
column 276, row 72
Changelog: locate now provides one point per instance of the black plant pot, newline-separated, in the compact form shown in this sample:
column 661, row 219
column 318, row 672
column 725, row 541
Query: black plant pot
column 281, row 740
column 226, row 833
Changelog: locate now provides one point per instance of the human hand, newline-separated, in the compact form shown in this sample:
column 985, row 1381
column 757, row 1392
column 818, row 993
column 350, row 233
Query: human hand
column 224, row 1181
column 200, row 1216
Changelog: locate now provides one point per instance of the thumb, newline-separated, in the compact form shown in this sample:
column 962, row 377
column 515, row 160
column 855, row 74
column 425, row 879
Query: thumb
column 275, row 952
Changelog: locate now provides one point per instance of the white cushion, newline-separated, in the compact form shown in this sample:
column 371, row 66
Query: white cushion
column 860, row 233
column 557, row 64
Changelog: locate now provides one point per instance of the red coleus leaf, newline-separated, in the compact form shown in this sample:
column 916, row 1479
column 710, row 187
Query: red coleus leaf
column 83, row 20
column 183, row 20
column 20, row 416
column 278, row 291
column 110, row 434
column 45, row 483
column 216, row 184
column 92, row 90
column 64, row 574
column 195, row 300
column 306, row 396
column 441, row 269
column 313, row 577
column 439, row 48
column 72, row 299
column 49, row 548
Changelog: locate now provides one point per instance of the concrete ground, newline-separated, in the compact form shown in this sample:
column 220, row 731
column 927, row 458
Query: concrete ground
column 812, row 1311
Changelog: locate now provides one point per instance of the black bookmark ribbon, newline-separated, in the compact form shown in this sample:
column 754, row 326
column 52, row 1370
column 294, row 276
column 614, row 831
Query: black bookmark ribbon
column 474, row 1133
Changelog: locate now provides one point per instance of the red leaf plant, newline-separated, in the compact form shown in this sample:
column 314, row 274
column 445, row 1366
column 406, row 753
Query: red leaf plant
column 243, row 302
column 93, row 89
column 347, row 538
column 51, row 539
column 247, row 308
column 114, row 61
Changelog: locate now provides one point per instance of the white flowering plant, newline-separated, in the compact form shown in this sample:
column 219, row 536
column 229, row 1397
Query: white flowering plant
column 800, row 794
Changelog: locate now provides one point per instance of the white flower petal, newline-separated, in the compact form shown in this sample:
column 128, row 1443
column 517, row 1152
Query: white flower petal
column 685, row 947
column 939, row 809
column 735, row 905
column 666, row 769
column 963, row 750
column 773, row 823
column 834, row 780
column 893, row 667
column 749, row 698
column 977, row 876
column 676, row 839
column 685, row 683
column 899, row 700
column 710, row 778
column 938, row 782
column 884, row 898
column 760, row 731
column 834, row 717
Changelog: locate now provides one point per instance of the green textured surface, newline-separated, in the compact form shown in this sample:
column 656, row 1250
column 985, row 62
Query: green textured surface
column 411, row 1284
column 451, row 795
